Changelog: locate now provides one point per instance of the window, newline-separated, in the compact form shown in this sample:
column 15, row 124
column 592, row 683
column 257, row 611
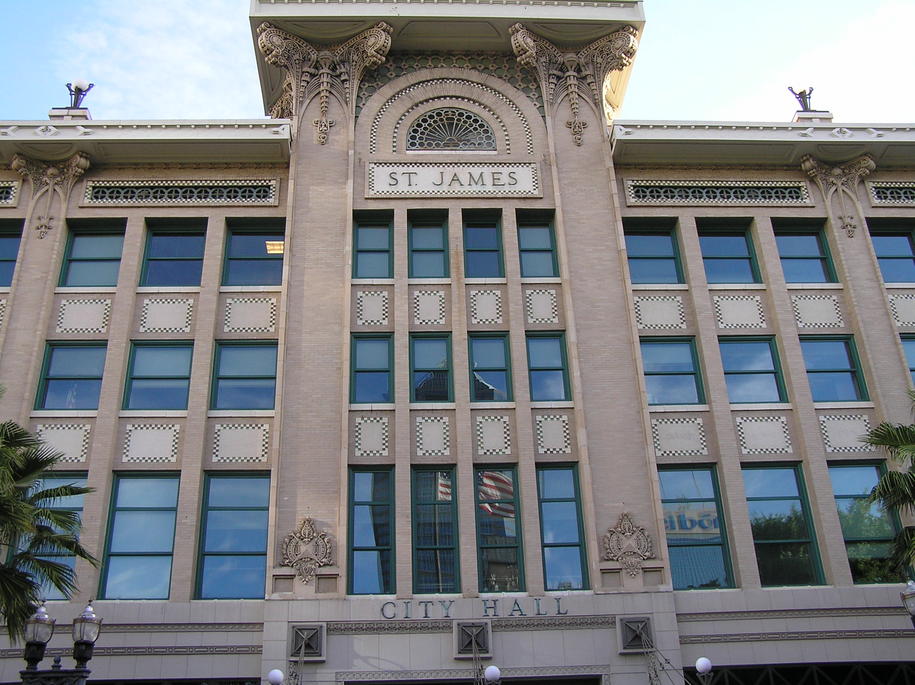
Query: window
column 10, row 234
column 141, row 534
column 372, row 359
column 450, row 128
column 174, row 254
column 490, row 370
column 428, row 243
column 671, row 371
column 561, row 533
column 244, row 375
column 832, row 370
column 71, row 376
column 728, row 257
column 158, row 376
column 895, row 252
column 546, row 364
column 371, row 532
column 782, row 532
column 373, row 251
column 696, row 538
column 74, row 504
column 653, row 255
column 537, row 246
column 435, row 531
column 430, row 368
column 254, row 253
column 804, row 255
column 869, row 531
column 482, row 248
column 233, row 547
column 92, row 258
column 751, row 370
column 908, row 346
column 498, row 531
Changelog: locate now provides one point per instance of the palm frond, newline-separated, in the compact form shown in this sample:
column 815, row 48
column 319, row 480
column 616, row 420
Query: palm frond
column 19, row 597
column 896, row 439
column 896, row 491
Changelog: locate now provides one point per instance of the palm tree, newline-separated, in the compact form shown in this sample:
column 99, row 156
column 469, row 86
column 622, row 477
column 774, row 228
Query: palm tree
column 32, row 532
column 896, row 489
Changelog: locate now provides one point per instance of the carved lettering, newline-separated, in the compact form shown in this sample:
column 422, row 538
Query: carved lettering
column 559, row 610
column 516, row 610
column 490, row 605
column 385, row 607
column 439, row 180
column 446, row 607
column 425, row 604
column 538, row 612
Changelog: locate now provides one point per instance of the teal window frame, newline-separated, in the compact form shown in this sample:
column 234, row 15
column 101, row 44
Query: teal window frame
column 749, row 256
column 85, row 230
column 41, row 397
column 822, row 256
column 854, row 370
column 547, row 545
column 272, row 230
column 203, row 555
column 893, row 228
column 355, row 370
column 890, row 523
column 358, row 250
column 678, row 519
column 474, row 367
column 218, row 376
column 132, row 375
column 803, row 507
column 534, row 369
column 385, row 571
column 416, row 338
column 420, row 223
column 775, row 371
column 188, row 228
column 436, row 547
column 908, row 349
column 695, row 372
column 53, row 479
column 640, row 227
column 114, row 510
column 495, row 501
column 523, row 251
column 10, row 243
column 495, row 224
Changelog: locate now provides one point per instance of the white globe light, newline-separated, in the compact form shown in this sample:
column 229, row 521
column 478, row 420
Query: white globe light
column 703, row 665
column 492, row 674
column 275, row 677
column 81, row 84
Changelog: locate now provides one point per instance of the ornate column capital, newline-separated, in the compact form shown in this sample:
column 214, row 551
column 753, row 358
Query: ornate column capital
column 321, row 71
column 840, row 182
column 49, row 180
column 574, row 74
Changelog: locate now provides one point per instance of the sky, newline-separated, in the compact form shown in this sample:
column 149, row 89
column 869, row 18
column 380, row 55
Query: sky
column 710, row 60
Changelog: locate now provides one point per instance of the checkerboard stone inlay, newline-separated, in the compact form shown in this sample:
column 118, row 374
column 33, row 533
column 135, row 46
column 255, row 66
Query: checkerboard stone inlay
column 70, row 438
column 763, row 435
column 151, row 443
column 679, row 436
column 429, row 307
column 902, row 306
column 250, row 315
column 553, row 434
column 842, row 432
column 494, row 435
column 166, row 315
column 2, row 312
column 739, row 311
column 433, row 436
column 659, row 312
column 817, row 311
column 372, row 308
column 541, row 306
column 371, row 436
column 84, row 316
column 241, row 442
column 485, row 306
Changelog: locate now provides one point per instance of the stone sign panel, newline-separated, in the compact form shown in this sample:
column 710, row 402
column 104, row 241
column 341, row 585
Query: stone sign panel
column 435, row 179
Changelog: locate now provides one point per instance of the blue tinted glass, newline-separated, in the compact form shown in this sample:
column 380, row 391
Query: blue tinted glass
column 535, row 238
column 371, row 573
column 433, row 525
column 853, row 480
column 96, row 246
column 544, row 352
column 427, row 265
column 673, row 389
column 142, row 531
column 729, row 271
column 431, row 386
column 833, row 387
column 158, row 393
column 562, row 568
column 239, row 492
column 373, row 265
column 559, row 522
column 51, row 482
column 162, row 361
column 373, row 353
column 753, row 387
column 178, row 273
column 236, row 531
column 427, row 238
column 435, row 570
column 6, row 273
column 253, row 244
column 898, row 270
column 651, row 245
column 747, row 356
column 488, row 353
column 535, row 264
column 102, row 274
column 481, row 238
column 71, row 394
column 556, row 483
column 9, row 246
column 667, row 357
column 233, row 577
column 371, row 486
column 147, row 492
column 892, row 245
column 724, row 246
column 243, row 360
column 77, row 361
column 697, row 567
column 489, row 386
column 245, row 393
column 372, row 238
column 254, row 272
column 547, row 385
column 175, row 245
column 826, row 354
column 483, row 265
column 775, row 482
column 686, row 484
column 798, row 245
column 371, row 386
column 144, row 577
column 908, row 345
column 805, row 271
column 371, row 526
column 653, row 271
column 430, row 353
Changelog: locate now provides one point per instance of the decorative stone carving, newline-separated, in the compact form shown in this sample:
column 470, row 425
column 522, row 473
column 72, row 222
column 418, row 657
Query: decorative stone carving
column 574, row 74
column 840, row 181
column 628, row 544
column 321, row 71
column 49, row 180
column 306, row 549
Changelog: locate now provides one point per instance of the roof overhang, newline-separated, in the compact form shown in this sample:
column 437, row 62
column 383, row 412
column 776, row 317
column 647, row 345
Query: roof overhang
column 693, row 143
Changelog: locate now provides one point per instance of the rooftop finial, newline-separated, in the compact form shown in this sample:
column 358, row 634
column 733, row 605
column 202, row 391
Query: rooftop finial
column 78, row 90
column 803, row 98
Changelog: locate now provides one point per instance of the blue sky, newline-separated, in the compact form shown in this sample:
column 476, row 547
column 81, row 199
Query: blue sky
column 716, row 60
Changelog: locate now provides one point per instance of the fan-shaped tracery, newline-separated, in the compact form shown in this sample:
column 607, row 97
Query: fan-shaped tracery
column 450, row 128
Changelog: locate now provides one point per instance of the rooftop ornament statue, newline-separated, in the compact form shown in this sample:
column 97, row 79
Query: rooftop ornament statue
column 78, row 90
column 803, row 98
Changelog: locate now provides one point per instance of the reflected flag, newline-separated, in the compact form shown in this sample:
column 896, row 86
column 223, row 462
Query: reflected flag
column 495, row 485
column 443, row 486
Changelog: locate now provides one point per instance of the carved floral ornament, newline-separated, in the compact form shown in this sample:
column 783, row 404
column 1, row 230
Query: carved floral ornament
column 50, row 181
column 306, row 549
column 321, row 71
column 628, row 544
column 840, row 182
column 574, row 74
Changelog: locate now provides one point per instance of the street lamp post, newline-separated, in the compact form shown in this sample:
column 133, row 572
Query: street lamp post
column 38, row 631
column 908, row 600
column 704, row 670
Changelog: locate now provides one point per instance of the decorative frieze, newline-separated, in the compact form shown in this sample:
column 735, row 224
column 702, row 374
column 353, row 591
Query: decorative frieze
column 50, row 181
column 197, row 193
column 716, row 193
column 306, row 550
column 891, row 193
column 627, row 544
column 839, row 185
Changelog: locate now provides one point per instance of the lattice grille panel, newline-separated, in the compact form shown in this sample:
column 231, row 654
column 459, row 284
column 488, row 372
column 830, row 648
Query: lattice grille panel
column 235, row 192
column 8, row 192
column 450, row 128
column 728, row 193
column 892, row 193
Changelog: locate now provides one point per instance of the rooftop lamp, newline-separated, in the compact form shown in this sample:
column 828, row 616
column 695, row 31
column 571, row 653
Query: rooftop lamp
column 78, row 89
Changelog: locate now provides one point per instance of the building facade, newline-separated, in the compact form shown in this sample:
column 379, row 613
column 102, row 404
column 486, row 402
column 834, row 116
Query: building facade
column 436, row 368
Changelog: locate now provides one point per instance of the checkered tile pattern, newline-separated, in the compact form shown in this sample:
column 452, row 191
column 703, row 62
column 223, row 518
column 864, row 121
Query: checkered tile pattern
column 553, row 434
column 372, row 308
column 841, row 432
column 151, row 443
column 486, row 306
column 817, row 311
column 241, row 442
column 659, row 312
column 433, row 436
column 902, row 305
column 83, row 316
column 70, row 438
column 540, row 306
column 494, row 435
column 739, row 311
column 429, row 307
column 166, row 315
column 683, row 436
column 371, row 436
column 763, row 435
column 250, row 315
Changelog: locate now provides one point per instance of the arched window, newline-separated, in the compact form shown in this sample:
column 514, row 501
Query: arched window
column 450, row 128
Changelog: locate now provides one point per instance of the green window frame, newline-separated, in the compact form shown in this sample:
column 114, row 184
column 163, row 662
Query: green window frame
column 671, row 368
column 244, row 375
column 71, row 375
column 908, row 348
column 752, row 370
column 653, row 253
column 562, row 540
column 372, row 369
column 370, row 556
column 174, row 253
column 55, row 479
column 804, row 254
column 697, row 541
column 833, row 369
column 158, row 375
column 141, row 535
column 894, row 246
column 868, row 530
column 373, row 250
column 499, row 538
column 537, row 250
column 728, row 256
column 10, row 239
column 490, row 367
column 483, row 248
column 436, row 562
column 232, row 552
column 783, row 534
column 547, row 367
column 92, row 257
column 430, row 368
column 427, row 239
column 254, row 252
